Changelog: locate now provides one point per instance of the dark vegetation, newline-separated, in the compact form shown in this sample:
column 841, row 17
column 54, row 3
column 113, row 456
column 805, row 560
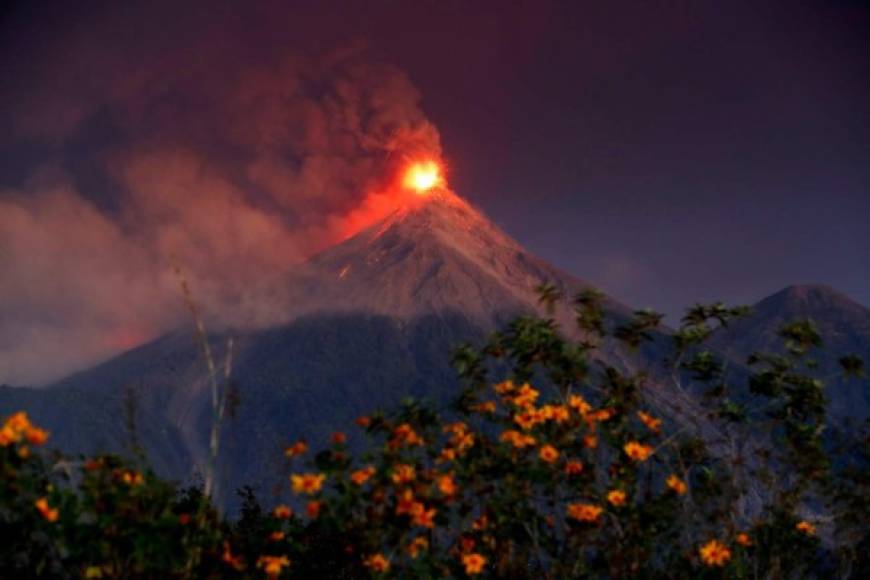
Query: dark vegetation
column 551, row 463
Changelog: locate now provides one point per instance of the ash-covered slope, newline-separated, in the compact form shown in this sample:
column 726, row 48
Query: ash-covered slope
column 432, row 255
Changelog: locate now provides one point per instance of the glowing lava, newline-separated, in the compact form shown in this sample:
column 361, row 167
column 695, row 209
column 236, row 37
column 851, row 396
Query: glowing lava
column 423, row 177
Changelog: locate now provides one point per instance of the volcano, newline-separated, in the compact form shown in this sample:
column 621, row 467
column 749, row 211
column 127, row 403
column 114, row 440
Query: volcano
column 373, row 321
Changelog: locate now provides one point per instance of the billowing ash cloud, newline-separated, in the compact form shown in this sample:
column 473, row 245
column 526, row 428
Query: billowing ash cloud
column 183, row 152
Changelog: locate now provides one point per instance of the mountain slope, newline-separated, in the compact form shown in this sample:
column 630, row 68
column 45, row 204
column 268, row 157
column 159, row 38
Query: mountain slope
column 843, row 324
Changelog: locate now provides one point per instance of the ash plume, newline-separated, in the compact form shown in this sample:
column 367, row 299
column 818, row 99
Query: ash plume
column 192, row 149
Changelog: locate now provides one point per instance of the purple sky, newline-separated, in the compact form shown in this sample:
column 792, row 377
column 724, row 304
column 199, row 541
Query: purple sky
column 667, row 152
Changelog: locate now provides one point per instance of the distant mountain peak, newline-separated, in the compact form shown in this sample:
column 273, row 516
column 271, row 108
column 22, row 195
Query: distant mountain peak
column 810, row 300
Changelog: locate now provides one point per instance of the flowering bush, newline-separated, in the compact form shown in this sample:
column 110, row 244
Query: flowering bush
column 562, row 467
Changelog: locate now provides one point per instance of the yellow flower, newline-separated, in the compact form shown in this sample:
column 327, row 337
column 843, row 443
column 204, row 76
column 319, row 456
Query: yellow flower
column 93, row 572
column 526, row 396
column 714, row 553
column 806, row 527
column 420, row 516
column 584, row 512
column 579, row 404
column 50, row 514
column 404, row 434
column 573, row 467
column 403, row 473
column 282, row 512
column 308, row 483
column 132, row 478
column 744, row 540
column 447, row 454
column 676, row 484
column 517, row 439
column 417, row 545
column 473, row 563
column 637, row 451
column 377, row 563
column 296, row 449
column 616, row 497
column 360, row 476
column 651, row 422
column 505, row 387
column 549, row 454
column 446, row 485
column 272, row 565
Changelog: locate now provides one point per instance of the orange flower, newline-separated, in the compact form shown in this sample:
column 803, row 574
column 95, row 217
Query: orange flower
column 231, row 560
column 363, row 421
column 505, row 387
column 50, row 514
column 338, row 438
column 417, row 545
column 473, row 563
column 272, row 565
column 616, row 497
column 308, row 483
column 313, row 509
column 584, row 512
column 276, row 536
column 548, row 454
column 637, row 451
column 573, row 467
column 714, row 553
column 579, row 404
column 517, row 439
column 446, row 485
column 360, row 476
column 282, row 512
column 559, row 413
column 296, row 449
column 651, row 422
column 377, row 563
column 480, row 523
column 403, row 473
column 601, row 415
column 528, row 418
column 447, row 454
column 420, row 516
column 404, row 434
column 744, row 540
column 526, row 396
column 676, row 484
column 590, row 441
column 484, row 407
column 132, row 478
column 405, row 503
column 806, row 527
column 36, row 436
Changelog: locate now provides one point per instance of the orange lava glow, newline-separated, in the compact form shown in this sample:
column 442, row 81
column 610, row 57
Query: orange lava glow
column 423, row 177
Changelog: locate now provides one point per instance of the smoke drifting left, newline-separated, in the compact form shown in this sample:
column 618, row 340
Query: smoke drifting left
column 234, row 163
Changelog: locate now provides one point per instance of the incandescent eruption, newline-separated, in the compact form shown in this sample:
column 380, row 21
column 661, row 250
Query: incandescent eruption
column 422, row 177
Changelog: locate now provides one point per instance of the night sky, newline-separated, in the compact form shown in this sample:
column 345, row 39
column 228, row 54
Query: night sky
column 668, row 152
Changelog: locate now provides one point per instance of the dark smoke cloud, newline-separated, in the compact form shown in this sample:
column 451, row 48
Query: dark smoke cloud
column 188, row 148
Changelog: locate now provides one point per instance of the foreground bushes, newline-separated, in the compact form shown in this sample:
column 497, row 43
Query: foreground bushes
column 577, row 476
